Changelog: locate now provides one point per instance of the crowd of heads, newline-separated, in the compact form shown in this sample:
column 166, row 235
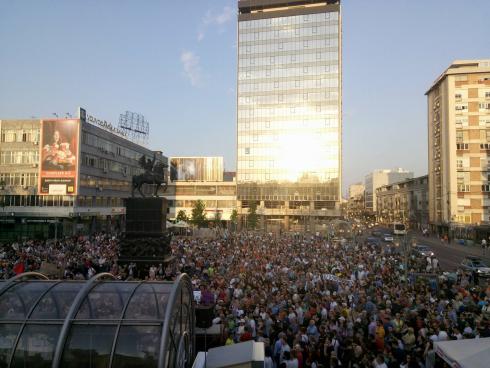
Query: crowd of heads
column 78, row 257
column 313, row 302
column 317, row 303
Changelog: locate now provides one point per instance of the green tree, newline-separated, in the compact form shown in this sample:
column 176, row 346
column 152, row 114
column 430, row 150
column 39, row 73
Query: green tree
column 182, row 216
column 234, row 218
column 217, row 218
column 252, row 217
column 198, row 214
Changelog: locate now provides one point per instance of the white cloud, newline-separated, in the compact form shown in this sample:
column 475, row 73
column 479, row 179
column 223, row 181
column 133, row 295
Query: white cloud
column 221, row 18
column 215, row 19
column 192, row 69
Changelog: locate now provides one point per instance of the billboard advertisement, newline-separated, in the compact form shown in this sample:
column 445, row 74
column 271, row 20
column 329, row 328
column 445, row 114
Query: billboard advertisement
column 196, row 168
column 59, row 148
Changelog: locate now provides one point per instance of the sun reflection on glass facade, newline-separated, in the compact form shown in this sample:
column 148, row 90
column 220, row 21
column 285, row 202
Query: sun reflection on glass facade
column 289, row 105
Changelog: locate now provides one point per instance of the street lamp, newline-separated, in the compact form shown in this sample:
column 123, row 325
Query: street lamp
column 2, row 188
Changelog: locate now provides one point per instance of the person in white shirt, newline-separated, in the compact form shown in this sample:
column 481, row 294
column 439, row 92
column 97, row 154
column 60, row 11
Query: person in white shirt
column 379, row 362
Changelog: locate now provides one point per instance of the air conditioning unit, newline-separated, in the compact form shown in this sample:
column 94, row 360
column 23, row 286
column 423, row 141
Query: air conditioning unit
column 35, row 143
column 34, row 165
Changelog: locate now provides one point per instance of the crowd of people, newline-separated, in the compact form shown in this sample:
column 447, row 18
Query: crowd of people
column 74, row 257
column 315, row 303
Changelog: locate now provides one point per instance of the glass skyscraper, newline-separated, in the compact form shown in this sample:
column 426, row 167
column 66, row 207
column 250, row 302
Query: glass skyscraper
column 289, row 111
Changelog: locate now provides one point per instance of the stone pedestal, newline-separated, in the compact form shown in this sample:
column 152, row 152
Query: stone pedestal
column 146, row 217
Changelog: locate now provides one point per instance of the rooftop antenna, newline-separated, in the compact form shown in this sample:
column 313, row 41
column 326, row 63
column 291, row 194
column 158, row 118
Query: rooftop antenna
column 136, row 127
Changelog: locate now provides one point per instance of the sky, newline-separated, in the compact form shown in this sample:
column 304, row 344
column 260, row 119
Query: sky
column 175, row 63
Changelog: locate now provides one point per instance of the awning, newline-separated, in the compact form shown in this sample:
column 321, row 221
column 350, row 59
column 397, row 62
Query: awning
column 469, row 353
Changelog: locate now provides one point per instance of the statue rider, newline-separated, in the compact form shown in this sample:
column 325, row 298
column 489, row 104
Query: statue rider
column 148, row 164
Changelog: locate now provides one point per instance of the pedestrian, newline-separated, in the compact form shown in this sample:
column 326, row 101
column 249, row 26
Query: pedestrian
column 484, row 246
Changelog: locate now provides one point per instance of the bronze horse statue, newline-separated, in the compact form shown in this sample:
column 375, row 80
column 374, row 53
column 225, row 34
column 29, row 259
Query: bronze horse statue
column 156, row 176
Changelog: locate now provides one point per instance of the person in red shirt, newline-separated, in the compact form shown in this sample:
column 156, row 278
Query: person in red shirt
column 247, row 335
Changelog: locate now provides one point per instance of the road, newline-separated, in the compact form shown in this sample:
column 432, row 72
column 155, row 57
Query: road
column 449, row 256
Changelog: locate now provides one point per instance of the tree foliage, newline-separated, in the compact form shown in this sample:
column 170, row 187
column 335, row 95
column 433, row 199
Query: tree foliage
column 198, row 214
column 252, row 217
column 182, row 216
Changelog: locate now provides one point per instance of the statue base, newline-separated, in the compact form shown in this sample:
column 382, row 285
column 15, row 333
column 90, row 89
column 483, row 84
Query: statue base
column 146, row 217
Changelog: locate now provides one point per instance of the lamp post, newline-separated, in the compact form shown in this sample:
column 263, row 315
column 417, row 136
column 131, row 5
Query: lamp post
column 2, row 188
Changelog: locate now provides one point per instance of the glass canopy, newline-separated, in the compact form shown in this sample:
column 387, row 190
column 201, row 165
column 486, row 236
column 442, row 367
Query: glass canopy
column 96, row 323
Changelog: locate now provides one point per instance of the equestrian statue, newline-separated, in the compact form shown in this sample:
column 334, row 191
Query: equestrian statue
column 155, row 173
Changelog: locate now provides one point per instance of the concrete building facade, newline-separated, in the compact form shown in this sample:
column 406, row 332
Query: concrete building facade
column 405, row 201
column 458, row 105
column 289, row 118
column 104, row 168
column 379, row 178
column 201, row 178
column 356, row 190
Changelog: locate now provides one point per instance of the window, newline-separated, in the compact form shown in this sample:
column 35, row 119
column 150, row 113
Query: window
column 461, row 107
column 485, row 188
column 485, row 146
column 458, row 96
column 463, row 188
column 462, row 146
column 247, row 150
column 487, row 94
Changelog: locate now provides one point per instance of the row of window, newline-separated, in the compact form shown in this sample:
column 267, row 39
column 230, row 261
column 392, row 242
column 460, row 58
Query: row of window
column 481, row 106
column 37, row 201
column 316, row 84
column 284, row 96
column 109, row 147
column 267, row 150
column 59, row 201
column 19, row 135
column 19, row 179
column 463, row 122
column 210, row 204
column 109, row 165
column 94, row 182
column 19, row 157
column 289, row 70
column 271, row 125
column 283, row 46
column 285, row 21
column 281, row 60
column 287, row 110
column 461, row 95
column 206, row 190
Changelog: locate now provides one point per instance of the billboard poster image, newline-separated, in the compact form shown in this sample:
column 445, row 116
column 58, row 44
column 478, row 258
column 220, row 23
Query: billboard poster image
column 59, row 157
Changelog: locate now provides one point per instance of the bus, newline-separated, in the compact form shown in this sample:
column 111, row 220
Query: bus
column 399, row 229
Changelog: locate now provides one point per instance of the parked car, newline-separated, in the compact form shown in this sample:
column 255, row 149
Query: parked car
column 422, row 250
column 388, row 238
column 376, row 233
column 471, row 263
